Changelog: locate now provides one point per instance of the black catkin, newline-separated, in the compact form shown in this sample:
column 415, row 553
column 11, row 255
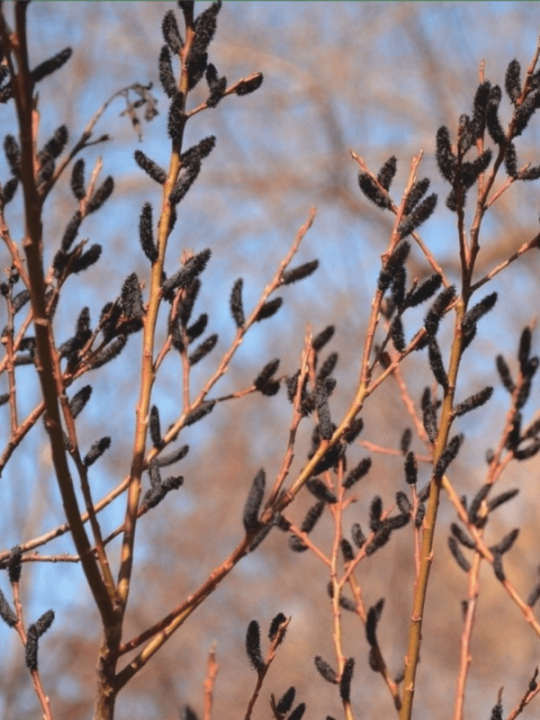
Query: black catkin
column 345, row 681
column 358, row 536
column 373, row 617
column 429, row 415
column 199, row 326
column 416, row 193
column 100, row 196
column 506, row 543
column 353, row 431
column 459, row 557
column 320, row 340
column 320, row 490
column 524, row 349
column 97, row 450
column 411, row 469
column 436, row 362
column 371, row 190
column 89, row 258
column 203, row 349
column 217, row 86
column 403, row 503
column 446, row 160
column 418, row 217
column 276, row 623
column 31, row 649
column 462, row 536
column 285, row 702
column 187, row 274
column 166, row 75
column 473, row 402
column 298, row 712
column 478, row 311
column 198, row 414
column 246, row 87
column 512, row 81
column 176, row 122
column 476, row 504
column 51, row 65
column 296, row 544
column 501, row 499
column 146, row 233
column 299, row 273
column 357, row 473
column 405, row 442
column 387, row 172
column 6, row 613
column 312, row 516
column 77, row 180
column 492, row 117
column 171, row 33
column 71, row 231
column 150, row 167
column 498, row 568
column 268, row 309
column 265, row 376
column 253, row 504
column 437, row 310
column 173, row 457
column 481, row 99
column 325, row 670
column 253, row 646
column 510, row 161
column 375, row 512
column 347, row 550
column 397, row 334
column 504, row 374
column 236, row 305
column 424, row 291
column 13, row 155
column 15, row 564
column 447, row 456
column 155, row 427
column 328, row 366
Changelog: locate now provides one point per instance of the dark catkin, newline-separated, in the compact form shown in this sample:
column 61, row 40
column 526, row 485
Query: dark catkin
column 109, row 353
column 236, row 305
column 478, row 311
column 51, row 65
column 97, row 450
column 202, row 350
column 263, row 378
column 429, row 415
column 405, row 441
column 298, row 712
column 246, row 87
column 312, row 516
column 462, row 536
column 199, row 326
column 397, row 334
column 436, row 363
column 31, row 649
column 346, row 550
column 533, row 596
column 6, row 613
column 411, row 469
column 476, row 504
column 497, row 711
column 171, row 33
column 176, row 123
column 155, row 427
column 151, row 168
column 447, row 456
column 424, row 291
column 174, row 456
column 71, row 231
column 185, row 307
column 198, row 414
column 524, row 349
column 146, row 233
column 446, row 160
column 166, row 75
column 420, row 515
column 253, row 646
column 328, row 366
column 492, row 116
column 323, row 410
column 372, row 620
column 525, row 111
column 276, row 623
column 7, row 191
column 100, row 196
column 498, row 568
column 371, row 190
column 510, row 161
column 531, row 173
column 77, row 180
column 4, row 398
column 253, row 504
column 299, row 273
column 131, row 298
column 296, row 544
column 514, row 436
column 217, row 86
column 15, row 564
column 320, row 490
column 285, row 702
column 387, row 173
column 417, row 192
column 480, row 102
column 13, row 155
column 473, row 401
column 504, row 374
column 398, row 290
column 458, row 556
column 320, row 340
column 437, row 310
column 359, row 539
column 501, row 499
column 268, row 309
column 403, row 503
column 345, row 680
column 375, row 513
column 89, row 258
column 353, row 431
column 529, row 451
column 418, row 216
column 20, row 300
column 325, row 670
column 185, row 276
column 54, row 147
column 506, row 543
